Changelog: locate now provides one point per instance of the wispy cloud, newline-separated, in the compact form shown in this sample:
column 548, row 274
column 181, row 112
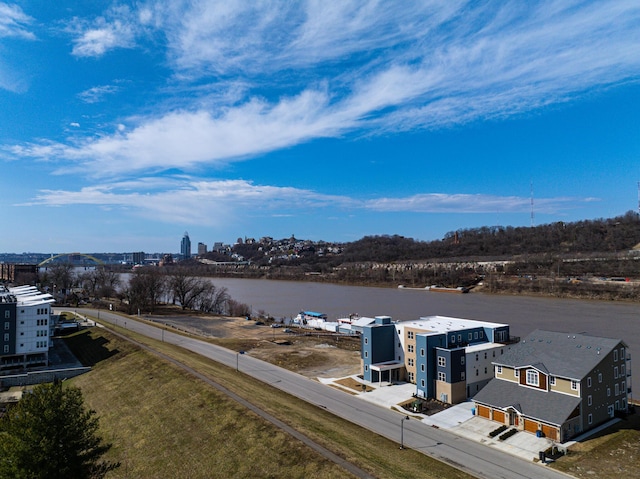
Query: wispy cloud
column 97, row 94
column 116, row 29
column 207, row 202
column 464, row 203
column 14, row 22
column 324, row 69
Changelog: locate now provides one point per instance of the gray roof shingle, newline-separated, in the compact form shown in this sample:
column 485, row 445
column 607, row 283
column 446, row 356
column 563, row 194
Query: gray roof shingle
column 559, row 354
column 549, row 407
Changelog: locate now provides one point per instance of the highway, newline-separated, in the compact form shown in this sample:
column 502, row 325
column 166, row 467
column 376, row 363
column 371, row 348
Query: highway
column 474, row 458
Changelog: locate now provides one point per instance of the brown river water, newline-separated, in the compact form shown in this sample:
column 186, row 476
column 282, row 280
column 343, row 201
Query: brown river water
column 524, row 314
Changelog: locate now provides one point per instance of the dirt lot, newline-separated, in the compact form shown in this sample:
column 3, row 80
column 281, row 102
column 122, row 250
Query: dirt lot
column 308, row 352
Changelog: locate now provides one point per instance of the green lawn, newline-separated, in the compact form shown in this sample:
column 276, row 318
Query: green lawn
column 164, row 423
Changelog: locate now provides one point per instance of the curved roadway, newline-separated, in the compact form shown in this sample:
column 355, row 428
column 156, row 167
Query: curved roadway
column 476, row 459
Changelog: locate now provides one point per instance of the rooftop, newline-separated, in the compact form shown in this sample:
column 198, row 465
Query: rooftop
column 443, row 324
column 559, row 354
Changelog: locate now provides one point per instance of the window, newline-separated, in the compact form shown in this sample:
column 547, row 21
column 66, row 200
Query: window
column 422, row 352
column 608, row 392
column 477, row 372
column 462, row 376
column 574, row 385
column 459, row 338
column 7, row 325
column 623, row 386
column 599, row 377
column 410, row 348
column 410, row 334
column 589, row 400
column 453, row 338
column 412, row 377
column 622, row 353
column 494, row 354
column 442, row 376
column 615, row 354
column 485, row 370
column 410, row 362
column 6, row 349
column 475, row 335
column 461, row 360
column 615, row 372
column 366, row 354
column 477, row 356
column 366, row 340
column 470, row 336
column 366, row 367
column 481, row 334
column 589, row 382
column 622, row 370
column 6, row 337
column 422, row 382
column 7, row 314
column 590, row 418
column 422, row 367
column 485, row 355
column 499, row 369
column 516, row 373
column 442, row 361
column 552, row 380
column 617, row 389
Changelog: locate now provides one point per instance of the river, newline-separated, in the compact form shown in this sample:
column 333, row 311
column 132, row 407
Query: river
column 524, row 314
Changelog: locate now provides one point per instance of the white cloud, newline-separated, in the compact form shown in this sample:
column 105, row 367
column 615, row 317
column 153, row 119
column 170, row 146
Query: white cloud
column 465, row 203
column 323, row 69
column 206, row 202
column 117, row 29
column 97, row 94
column 14, row 22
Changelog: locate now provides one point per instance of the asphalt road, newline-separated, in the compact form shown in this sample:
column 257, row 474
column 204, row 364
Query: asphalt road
column 474, row 458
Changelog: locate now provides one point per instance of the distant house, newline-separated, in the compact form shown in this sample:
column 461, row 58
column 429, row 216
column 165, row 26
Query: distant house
column 557, row 384
column 448, row 359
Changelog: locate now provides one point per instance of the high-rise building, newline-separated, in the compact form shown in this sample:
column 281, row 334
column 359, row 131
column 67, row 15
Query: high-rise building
column 185, row 246
column 202, row 249
column 138, row 257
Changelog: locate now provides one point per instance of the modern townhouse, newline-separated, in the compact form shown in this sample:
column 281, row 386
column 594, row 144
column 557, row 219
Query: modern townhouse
column 449, row 359
column 557, row 384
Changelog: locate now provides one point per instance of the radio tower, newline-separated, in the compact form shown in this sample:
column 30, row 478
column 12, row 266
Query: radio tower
column 532, row 215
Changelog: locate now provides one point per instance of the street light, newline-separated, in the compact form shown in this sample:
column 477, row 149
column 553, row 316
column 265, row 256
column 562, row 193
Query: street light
column 406, row 418
column 238, row 358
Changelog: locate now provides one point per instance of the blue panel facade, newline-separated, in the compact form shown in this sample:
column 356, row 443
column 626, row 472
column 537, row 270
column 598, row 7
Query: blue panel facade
column 377, row 346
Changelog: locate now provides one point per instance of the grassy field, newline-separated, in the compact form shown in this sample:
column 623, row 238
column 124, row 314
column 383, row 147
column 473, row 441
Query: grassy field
column 164, row 423
column 612, row 454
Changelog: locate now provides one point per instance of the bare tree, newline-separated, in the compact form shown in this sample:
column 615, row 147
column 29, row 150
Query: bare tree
column 187, row 289
column 213, row 300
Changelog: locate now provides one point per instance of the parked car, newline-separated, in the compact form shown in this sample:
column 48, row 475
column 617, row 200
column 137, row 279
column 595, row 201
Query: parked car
column 259, row 323
column 276, row 325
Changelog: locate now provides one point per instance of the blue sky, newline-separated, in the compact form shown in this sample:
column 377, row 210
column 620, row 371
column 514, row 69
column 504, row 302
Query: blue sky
column 124, row 124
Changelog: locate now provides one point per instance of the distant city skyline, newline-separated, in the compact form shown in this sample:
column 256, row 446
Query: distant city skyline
column 126, row 123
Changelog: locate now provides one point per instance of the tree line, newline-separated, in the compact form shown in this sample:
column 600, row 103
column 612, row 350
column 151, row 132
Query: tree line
column 144, row 291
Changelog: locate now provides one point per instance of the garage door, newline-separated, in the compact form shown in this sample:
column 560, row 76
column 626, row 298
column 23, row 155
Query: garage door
column 550, row 432
column 531, row 426
column 498, row 416
column 483, row 411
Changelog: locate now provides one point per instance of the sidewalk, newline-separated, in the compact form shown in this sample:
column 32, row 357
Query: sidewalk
column 457, row 419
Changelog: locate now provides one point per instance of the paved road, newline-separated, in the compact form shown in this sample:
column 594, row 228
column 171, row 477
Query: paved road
column 461, row 453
